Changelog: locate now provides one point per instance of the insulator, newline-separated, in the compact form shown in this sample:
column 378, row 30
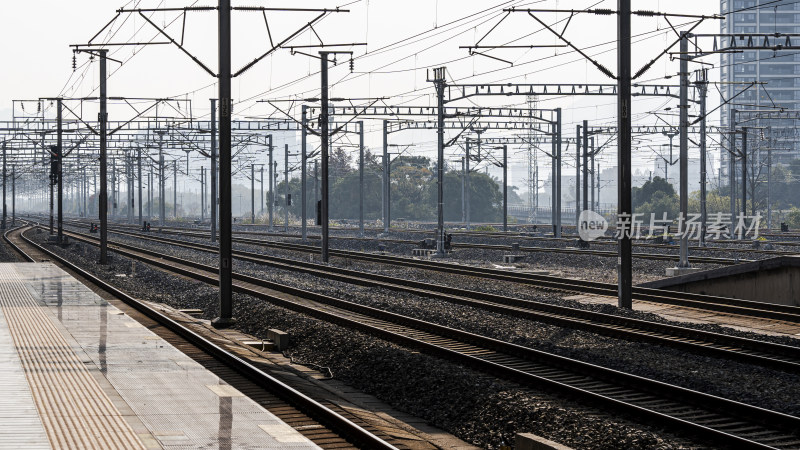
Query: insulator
column 351, row 64
column 74, row 62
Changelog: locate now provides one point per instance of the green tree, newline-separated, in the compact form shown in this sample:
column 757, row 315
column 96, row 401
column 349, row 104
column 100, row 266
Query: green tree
column 647, row 193
column 486, row 198
column 661, row 202
column 793, row 218
column 513, row 196
column 714, row 202
column 340, row 164
column 411, row 176
column 345, row 199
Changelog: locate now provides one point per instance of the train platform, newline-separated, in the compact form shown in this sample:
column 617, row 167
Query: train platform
column 683, row 314
column 76, row 372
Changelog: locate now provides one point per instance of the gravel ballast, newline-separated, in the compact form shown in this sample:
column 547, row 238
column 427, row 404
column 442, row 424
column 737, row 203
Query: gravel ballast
column 475, row 407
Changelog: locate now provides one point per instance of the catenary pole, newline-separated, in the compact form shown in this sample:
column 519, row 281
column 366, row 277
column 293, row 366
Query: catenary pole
column 303, row 175
column 4, row 186
column 578, row 143
column 466, row 183
column 624, row 260
column 286, row 192
column 703, row 85
column 440, row 85
column 557, row 149
column 585, row 195
column 225, row 318
column 361, row 178
column 684, row 150
column 252, row 193
column 271, row 193
column 387, row 182
column 139, row 173
column 324, row 137
column 103, row 200
column 505, row 187
column 213, row 172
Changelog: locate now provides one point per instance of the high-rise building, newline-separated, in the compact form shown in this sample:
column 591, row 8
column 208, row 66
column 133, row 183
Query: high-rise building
column 779, row 70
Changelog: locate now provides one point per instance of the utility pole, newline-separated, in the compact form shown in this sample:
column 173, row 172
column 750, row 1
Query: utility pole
column 150, row 194
column 213, row 173
column 175, row 188
column 703, row 85
column 361, row 178
column 625, row 256
column 161, row 187
column 225, row 318
column 598, row 185
column 316, row 190
column 387, row 181
column 592, row 173
column 286, row 180
column 466, row 184
column 13, row 197
column 324, row 135
column 732, row 171
column 556, row 174
column 252, row 193
column 85, row 192
column 113, row 189
column 202, row 194
column 261, row 179
column 303, row 175
column 52, row 187
column 464, row 190
column 769, row 181
column 684, row 151
column 4, row 186
column 440, row 83
column 585, row 165
column 744, row 172
column 577, row 175
column 139, row 170
column 505, row 187
column 103, row 200
column 271, row 194
column 129, row 177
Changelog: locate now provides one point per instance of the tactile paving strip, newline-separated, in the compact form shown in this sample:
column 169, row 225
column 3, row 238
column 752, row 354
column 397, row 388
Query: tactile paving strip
column 74, row 410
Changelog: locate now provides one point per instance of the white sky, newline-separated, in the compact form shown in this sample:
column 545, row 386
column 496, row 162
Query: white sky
column 38, row 61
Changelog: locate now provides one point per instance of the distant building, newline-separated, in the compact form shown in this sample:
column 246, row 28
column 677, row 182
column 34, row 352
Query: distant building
column 780, row 70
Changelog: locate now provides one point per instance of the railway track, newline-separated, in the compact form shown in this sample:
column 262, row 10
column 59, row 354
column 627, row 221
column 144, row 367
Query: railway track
column 724, row 422
column 698, row 301
column 642, row 243
column 319, row 423
column 783, row 357
column 568, row 250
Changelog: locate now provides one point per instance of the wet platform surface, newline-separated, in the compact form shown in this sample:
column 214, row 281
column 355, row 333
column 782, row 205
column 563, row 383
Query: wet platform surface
column 76, row 372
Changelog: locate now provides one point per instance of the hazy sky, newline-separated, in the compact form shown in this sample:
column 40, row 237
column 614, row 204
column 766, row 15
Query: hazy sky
column 404, row 38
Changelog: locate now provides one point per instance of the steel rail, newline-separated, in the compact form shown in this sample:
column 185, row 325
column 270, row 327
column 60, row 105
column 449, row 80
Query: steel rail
column 784, row 357
column 346, row 428
column 723, row 420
